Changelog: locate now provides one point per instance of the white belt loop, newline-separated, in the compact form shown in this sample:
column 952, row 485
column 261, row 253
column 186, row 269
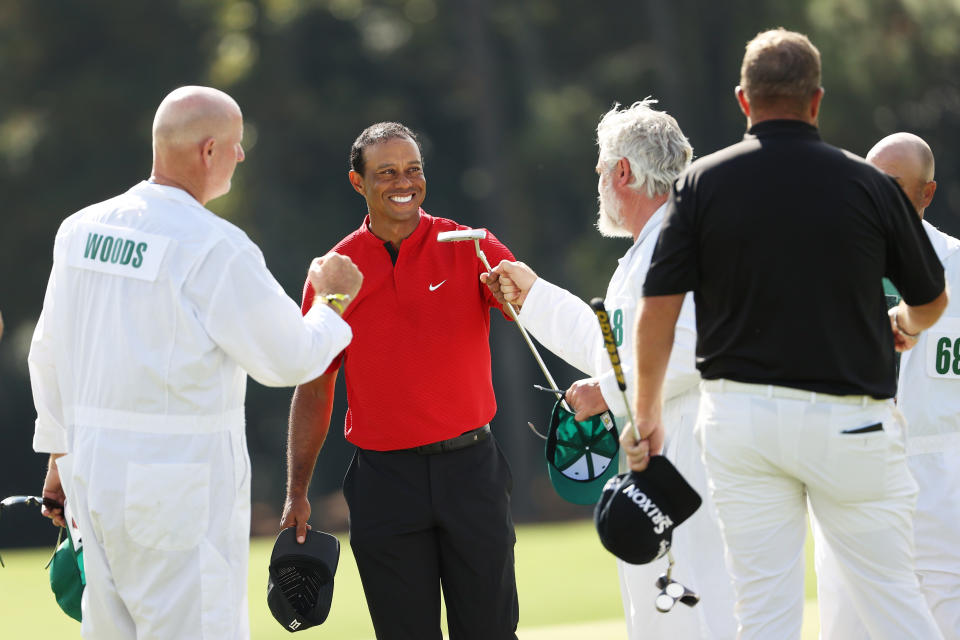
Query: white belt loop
column 769, row 390
column 720, row 385
column 864, row 400
column 813, row 397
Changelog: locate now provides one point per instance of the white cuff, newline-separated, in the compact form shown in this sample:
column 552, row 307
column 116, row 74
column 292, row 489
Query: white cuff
column 535, row 300
column 321, row 315
column 49, row 439
column 611, row 393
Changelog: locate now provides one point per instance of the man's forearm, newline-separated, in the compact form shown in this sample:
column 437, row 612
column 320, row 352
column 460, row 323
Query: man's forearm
column 309, row 423
column 53, row 491
column 914, row 319
column 656, row 322
column 564, row 324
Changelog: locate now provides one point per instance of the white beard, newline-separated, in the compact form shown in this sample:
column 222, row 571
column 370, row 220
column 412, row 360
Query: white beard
column 610, row 214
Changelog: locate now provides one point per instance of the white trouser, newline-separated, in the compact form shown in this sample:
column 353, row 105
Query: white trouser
column 936, row 524
column 770, row 450
column 697, row 549
column 165, row 520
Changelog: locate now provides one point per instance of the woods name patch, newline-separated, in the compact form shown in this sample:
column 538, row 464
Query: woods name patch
column 117, row 251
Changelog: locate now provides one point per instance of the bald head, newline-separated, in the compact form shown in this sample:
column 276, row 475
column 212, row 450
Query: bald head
column 189, row 115
column 909, row 160
column 196, row 141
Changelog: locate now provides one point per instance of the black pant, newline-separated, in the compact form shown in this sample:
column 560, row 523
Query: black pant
column 421, row 523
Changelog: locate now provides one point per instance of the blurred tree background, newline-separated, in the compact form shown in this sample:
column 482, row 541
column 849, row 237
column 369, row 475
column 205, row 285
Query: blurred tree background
column 506, row 96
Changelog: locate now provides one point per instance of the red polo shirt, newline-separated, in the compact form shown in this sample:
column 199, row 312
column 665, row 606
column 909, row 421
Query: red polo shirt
column 418, row 367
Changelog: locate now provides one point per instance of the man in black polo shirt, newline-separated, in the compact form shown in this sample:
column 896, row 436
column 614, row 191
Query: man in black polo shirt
column 796, row 402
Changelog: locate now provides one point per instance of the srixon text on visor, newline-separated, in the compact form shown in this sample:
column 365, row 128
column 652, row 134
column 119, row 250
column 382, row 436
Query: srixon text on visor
column 661, row 521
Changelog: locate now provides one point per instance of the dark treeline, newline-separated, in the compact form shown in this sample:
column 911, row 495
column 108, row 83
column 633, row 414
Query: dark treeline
column 506, row 96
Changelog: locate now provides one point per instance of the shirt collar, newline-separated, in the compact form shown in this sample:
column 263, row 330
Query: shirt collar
column 943, row 244
column 415, row 237
column 781, row 128
column 652, row 225
column 166, row 192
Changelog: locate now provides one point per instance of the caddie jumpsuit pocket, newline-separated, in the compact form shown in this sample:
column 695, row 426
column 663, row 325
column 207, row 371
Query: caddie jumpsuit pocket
column 167, row 506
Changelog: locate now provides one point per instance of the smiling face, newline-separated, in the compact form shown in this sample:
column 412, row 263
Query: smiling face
column 393, row 185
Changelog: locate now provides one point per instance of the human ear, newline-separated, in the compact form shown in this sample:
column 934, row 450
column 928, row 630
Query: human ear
column 356, row 181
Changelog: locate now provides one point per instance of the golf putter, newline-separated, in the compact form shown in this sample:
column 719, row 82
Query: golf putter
column 672, row 591
column 34, row 501
column 477, row 235
column 611, row 346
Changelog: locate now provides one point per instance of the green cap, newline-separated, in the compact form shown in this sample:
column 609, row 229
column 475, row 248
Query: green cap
column 67, row 578
column 581, row 456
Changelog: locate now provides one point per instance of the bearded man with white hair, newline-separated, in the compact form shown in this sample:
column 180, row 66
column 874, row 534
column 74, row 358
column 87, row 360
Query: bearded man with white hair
column 641, row 153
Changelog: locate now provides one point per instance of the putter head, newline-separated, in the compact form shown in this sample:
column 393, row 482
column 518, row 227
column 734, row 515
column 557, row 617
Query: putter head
column 32, row 500
column 672, row 592
column 461, row 235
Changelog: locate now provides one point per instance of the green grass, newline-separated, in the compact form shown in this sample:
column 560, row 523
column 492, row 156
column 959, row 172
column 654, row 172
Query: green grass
column 579, row 600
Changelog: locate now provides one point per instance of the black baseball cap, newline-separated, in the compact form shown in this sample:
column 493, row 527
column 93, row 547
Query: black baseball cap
column 300, row 587
column 637, row 511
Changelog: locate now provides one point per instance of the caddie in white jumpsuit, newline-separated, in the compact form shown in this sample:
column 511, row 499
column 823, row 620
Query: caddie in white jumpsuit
column 928, row 396
column 155, row 312
column 568, row 327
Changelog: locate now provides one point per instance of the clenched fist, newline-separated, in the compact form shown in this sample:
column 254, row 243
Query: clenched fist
column 510, row 282
column 335, row 274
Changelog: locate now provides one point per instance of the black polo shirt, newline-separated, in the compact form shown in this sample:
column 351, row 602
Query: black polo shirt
column 784, row 241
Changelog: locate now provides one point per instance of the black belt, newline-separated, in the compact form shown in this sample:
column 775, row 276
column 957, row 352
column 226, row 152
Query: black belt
column 462, row 441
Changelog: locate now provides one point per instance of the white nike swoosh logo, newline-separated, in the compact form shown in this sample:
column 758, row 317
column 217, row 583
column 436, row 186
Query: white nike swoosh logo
column 434, row 287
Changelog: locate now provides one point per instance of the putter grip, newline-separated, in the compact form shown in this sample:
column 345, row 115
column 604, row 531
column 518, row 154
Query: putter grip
column 608, row 341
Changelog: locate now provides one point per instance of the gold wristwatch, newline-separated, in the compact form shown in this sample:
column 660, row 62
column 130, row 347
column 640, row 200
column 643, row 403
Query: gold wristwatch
column 337, row 300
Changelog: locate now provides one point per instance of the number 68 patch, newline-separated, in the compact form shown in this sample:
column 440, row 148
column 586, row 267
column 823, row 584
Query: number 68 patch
column 942, row 351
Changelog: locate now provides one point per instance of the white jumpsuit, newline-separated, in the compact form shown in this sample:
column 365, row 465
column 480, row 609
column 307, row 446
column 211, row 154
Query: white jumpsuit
column 928, row 395
column 155, row 312
column 568, row 327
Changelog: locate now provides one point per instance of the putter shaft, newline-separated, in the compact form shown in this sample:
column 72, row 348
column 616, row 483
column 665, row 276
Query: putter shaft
column 512, row 312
